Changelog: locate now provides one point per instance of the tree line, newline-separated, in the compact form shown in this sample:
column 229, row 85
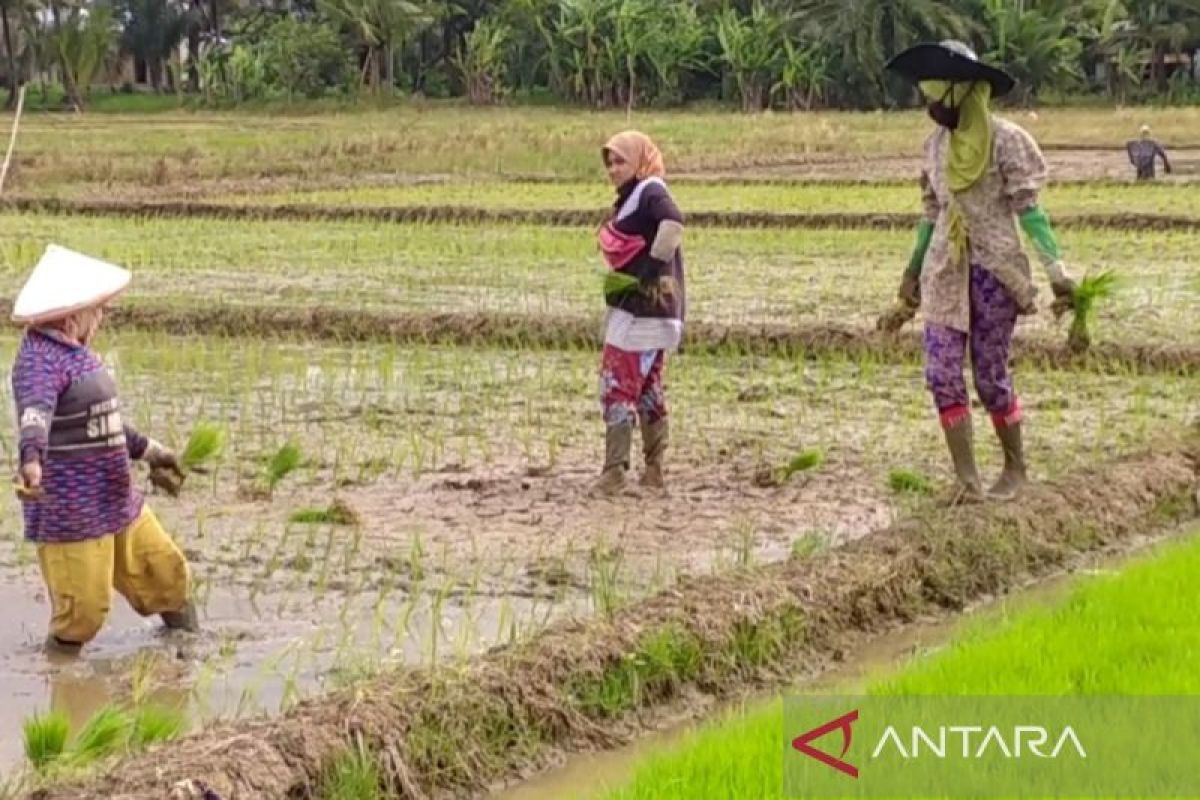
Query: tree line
column 789, row 54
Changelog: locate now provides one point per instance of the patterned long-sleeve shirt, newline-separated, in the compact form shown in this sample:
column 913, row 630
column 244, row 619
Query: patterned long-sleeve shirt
column 1009, row 186
column 69, row 417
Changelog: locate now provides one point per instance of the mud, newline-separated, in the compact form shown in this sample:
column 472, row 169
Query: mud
column 938, row 561
column 1132, row 222
column 492, row 554
column 525, row 331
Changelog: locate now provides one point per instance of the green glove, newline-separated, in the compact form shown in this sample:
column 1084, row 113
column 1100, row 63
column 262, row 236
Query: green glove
column 1037, row 227
column 924, row 237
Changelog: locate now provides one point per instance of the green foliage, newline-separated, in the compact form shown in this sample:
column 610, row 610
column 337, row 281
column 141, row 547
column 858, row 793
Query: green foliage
column 285, row 461
column 82, row 39
column 752, row 48
column 304, row 58
column 623, row 53
column 665, row 658
column 353, row 776
column 152, row 29
column 152, row 723
column 1091, row 289
column 203, row 445
column 101, row 736
column 1035, row 46
column 482, row 60
column 802, row 462
column 906, row 481
column 45, row 738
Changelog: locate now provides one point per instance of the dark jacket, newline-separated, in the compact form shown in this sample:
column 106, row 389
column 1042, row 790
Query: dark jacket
column 654, row 205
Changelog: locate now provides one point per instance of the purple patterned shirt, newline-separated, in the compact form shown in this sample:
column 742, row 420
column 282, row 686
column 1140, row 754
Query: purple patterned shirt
column 69, row 420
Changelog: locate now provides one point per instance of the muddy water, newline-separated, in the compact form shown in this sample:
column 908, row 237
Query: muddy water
column 594, row 775
column 271, row 650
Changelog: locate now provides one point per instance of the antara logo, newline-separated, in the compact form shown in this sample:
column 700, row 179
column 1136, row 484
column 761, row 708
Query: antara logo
column 1021, row 741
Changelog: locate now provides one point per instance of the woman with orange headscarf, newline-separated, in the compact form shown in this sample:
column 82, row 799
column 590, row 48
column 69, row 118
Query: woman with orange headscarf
column 645, row 297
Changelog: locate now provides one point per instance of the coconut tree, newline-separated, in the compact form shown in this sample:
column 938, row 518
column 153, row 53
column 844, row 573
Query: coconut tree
column 380, row 27
column 81, row 38
column 866, row 33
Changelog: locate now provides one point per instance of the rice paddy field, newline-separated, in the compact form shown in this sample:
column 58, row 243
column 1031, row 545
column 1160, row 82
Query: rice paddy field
column 433, row 511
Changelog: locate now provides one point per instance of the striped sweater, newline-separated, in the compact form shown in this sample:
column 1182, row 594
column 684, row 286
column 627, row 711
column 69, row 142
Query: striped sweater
column 69, row 419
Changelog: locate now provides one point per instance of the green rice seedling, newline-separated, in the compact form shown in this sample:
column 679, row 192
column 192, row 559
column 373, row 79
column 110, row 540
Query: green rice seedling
column 284, row 462
column 604, row 579
column 1092, row 289
column 768, row 476
column 338, row 513
column 45, row 738
column 616, row 283
column 103, row 735
column 807, row 545
column 153, row 723
column 203, row 445
column 141, row 678
column 809, row 459
column 907, row 481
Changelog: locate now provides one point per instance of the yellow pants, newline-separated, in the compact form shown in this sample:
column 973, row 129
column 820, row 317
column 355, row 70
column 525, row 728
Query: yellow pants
column 141, row 562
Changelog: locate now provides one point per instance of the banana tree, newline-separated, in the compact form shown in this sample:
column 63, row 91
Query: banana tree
column 682, row 47
column 482, row 60
column 751, row 46
column 803, row 76
column 1034, row 45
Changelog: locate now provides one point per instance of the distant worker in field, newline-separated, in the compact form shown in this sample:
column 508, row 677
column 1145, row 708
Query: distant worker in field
column 644, row 292
column 92, row 529
column 1143, row 152
column 968, row 273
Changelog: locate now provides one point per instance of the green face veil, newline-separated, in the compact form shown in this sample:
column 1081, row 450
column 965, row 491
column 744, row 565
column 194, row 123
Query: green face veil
column 971, row 139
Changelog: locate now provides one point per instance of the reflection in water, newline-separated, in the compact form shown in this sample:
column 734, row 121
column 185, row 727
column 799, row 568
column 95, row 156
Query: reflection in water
column 257, row 653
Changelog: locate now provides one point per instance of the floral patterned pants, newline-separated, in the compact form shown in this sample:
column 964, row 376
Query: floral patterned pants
column 631, row 386
column 993, row 318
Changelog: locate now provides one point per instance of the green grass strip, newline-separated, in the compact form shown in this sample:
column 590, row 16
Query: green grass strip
column 1132, row 633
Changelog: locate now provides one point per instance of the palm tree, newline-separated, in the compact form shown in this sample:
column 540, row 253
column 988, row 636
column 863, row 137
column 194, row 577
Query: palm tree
column 869, row 32
column 1164, row 26
column 82, row 38
column 380, row 26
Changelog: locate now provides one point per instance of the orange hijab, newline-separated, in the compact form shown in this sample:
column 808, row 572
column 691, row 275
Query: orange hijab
column 638, row 149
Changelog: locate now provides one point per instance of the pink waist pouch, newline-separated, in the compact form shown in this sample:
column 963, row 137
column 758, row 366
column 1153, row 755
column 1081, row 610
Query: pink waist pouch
column 618, row 248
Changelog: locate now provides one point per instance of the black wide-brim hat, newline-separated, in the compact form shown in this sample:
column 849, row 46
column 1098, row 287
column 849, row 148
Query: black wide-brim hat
column 950, row 61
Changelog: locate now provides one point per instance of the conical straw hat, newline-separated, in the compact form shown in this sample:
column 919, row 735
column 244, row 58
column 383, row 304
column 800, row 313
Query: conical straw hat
column 64, row 282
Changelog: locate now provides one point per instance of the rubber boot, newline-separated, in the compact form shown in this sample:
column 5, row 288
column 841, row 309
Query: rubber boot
column 655, row 436
column 1013, row 478
column 617, row 441
column 960, row 439
column 184, row 619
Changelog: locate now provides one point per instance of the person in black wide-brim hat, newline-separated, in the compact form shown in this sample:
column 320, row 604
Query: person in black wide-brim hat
column 968, row 273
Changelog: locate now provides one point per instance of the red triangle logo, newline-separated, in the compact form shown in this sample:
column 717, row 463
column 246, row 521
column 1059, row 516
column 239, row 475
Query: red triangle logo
column 844, row 723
